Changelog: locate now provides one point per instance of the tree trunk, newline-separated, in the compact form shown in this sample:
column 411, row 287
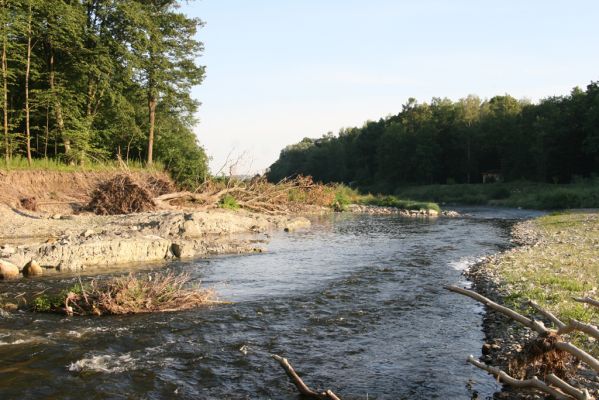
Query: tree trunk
column 5, row 93
column 47, row 132
column 57, row 106
column 152, row 109
column 27, row 70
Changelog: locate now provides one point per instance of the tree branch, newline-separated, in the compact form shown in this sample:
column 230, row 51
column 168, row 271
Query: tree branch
column 299, row 383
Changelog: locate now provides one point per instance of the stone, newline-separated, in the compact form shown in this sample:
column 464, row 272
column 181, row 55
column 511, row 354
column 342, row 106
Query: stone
column 182, row 250
column 190, row 229
column 433, row 213
column 88, row 233
column 8, row 270
column 56, row 216
column 7, row 250
column 32, row 268
column 297, row 223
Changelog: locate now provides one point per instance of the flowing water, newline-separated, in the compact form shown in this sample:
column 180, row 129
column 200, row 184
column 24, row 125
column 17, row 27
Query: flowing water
column 356, row 304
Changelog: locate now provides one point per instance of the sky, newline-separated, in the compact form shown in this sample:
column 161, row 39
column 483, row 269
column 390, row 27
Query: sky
column 281, row 70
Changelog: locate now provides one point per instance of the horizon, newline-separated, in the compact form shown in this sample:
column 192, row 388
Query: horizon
column 277, row 73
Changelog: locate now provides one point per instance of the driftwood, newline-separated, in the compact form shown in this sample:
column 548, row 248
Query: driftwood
column 553, row 385
column 587, row 300
column 299, row 383
column 560, row 391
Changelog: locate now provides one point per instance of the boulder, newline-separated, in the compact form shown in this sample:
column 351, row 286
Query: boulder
column 183, row 250
column 32, row 268
column 8, row 270
column 190, row 229
column 297, row 223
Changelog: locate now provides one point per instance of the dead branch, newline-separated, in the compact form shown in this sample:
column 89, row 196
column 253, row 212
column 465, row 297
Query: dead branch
column 537, row 326
column 299, row 383
column 587, row 300
column 556, row 321
column 575, row 325
column 535, row 383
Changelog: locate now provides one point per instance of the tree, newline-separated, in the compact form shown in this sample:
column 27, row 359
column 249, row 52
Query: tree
column 164, row 51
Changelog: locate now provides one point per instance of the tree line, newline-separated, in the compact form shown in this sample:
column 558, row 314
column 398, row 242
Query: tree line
column 444, row 141
column 100, row 79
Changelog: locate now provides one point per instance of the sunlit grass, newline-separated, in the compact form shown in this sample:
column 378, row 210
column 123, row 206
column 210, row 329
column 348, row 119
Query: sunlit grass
column 49, row 164
column 562, row 265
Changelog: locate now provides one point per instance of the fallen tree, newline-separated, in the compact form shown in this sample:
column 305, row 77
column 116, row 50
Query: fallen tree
column 555, row 353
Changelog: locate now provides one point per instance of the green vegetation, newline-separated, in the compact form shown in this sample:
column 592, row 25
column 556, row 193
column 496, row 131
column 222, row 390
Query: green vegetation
column 531, row 195
column 47, row 303
column 463, row 142
column 129, row 294
column 88, row 82
column 561, row 266
column 396, row 202
column 228, row 202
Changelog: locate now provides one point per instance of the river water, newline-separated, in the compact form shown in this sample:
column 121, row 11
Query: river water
column 356, row 304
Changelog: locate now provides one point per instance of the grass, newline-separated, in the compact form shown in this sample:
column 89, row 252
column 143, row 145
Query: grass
column 543, row 196
column 562, row 265
column 228, row 202
column 19, row 163
column 129, row 294
column 396, row 202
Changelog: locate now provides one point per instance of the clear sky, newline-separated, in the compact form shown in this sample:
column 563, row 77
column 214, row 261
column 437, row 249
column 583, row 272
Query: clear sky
column 281, row 70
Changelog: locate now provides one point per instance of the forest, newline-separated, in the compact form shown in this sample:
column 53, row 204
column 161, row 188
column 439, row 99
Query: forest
column 445, row 142
column 94, row 80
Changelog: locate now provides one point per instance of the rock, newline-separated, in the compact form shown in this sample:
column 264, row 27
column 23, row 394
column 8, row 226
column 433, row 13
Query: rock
column 8, row 270
column 433, row 213
column 297, row 223
column 10, row 307
column 56, row 216
column 7, row 250
column 70, row 265
column 88, row 233
column 32, row 268
column 182, row 250
column 190, row 229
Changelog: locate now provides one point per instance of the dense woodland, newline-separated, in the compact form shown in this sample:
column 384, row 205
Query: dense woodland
column 556, row 140
column 93, row 80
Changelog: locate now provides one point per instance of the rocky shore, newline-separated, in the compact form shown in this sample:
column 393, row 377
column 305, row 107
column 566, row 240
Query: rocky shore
column 380, row 210
column 504, row 338
column 54, row 243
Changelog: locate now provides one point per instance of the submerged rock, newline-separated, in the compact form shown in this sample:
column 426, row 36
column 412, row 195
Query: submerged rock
column 8, row 270
column 32, row 268
column 297, row 223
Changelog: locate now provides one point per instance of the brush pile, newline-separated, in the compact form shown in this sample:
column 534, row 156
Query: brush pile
column 159, row 292
column 121, row 195
column 257, row 195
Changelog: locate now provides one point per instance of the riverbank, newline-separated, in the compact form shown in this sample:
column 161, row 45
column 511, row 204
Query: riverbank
column 556, row 259
column 77, row 242
column 530, row 195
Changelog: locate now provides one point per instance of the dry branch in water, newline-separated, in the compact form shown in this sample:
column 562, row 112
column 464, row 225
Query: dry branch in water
column 545, row 354
column 299, row 383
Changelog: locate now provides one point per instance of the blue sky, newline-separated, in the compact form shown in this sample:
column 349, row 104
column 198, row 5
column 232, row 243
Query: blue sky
column 278, row 70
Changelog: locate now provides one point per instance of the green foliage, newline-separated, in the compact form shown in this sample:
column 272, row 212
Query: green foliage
column 543, row 196
column 554, row 141
column 229, row 202
column 94, row 66
column 393, row 201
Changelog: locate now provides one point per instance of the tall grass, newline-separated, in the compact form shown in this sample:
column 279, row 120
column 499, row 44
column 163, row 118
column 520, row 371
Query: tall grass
column 19, row 163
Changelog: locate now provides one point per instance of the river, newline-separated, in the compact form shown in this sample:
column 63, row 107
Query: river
column 356, row 304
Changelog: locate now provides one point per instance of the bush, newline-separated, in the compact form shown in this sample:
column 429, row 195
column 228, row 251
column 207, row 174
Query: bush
column 228, row 202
